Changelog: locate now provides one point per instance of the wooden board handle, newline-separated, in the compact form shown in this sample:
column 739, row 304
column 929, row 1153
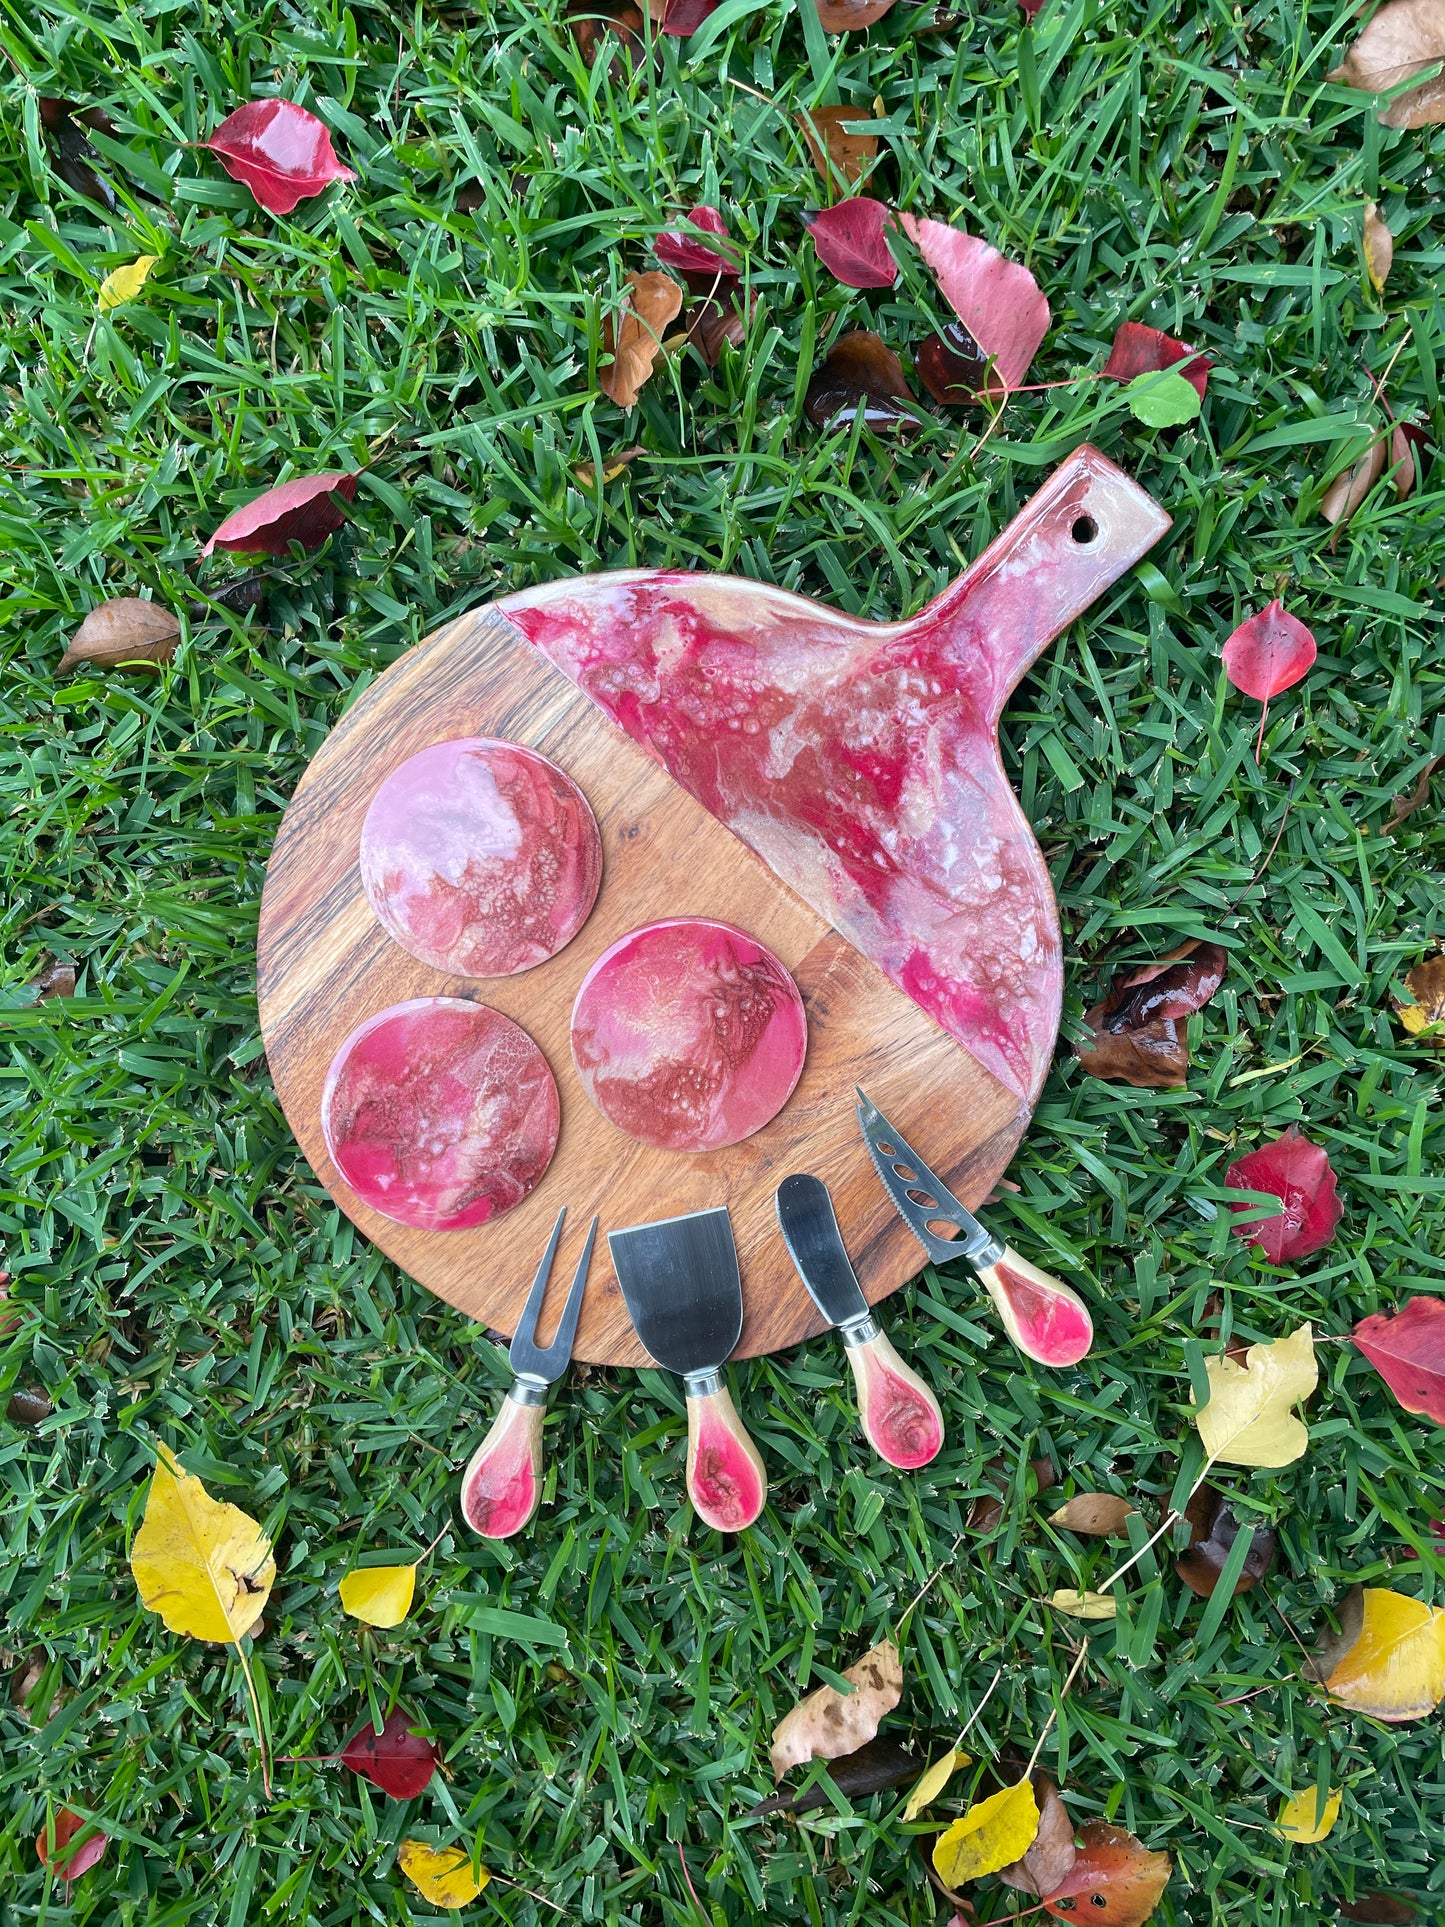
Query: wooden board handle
column 900, row 1415
column 502, row 1485
column 1041, row 1315
column 726, row 1479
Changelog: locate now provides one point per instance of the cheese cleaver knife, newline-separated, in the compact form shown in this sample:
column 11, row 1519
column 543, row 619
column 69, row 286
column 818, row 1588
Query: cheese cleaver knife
column 680, row 1280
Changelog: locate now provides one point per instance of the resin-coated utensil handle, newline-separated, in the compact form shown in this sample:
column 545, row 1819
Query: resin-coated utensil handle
column 1041, row 1315
column 502, row 1485
column 899, row 1412
column 726, row 1480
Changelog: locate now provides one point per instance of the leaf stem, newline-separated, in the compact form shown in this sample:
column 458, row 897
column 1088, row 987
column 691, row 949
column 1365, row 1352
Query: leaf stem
column 256, row 1716
column 1049, row 1723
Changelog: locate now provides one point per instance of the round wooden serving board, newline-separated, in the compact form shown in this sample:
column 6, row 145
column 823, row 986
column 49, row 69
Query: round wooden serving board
column 325, row 965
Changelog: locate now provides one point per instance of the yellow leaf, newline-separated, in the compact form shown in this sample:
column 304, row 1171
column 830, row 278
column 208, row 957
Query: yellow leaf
column 205, row 1567
column 379, row 1595
column 1248, row 1420
column 1379, row 247
column 1085, row 1605
column 1299, row 1818
column 927, row 1789
column 1395, row 1668
column 124, row 284
column 1412, row 1017
column 990, row 1835
column 442, row 1875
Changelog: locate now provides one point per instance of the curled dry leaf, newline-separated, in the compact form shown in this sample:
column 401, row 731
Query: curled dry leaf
column 993, row 1833
column 1404, row 38
column 1000, row 304
column 1084, row 1605
column 634, row 338
column 205, row 1567
column 1406, row 806
column 1347, row 491
column 1380, row 1910
column 1300, row 1175
column 1405, row 439
column 71, row 155
column 1379, row 247
column 826, row 1725
column 873, row 1768
column 1098, row 1515
column 851, row 240
column 1115, row 1880
column 123, row 633
column 1050, row 1860
column 677, row 248
column 1388, row 1658
column 1305, row 1820
column 278, row 150
column 1407, row 1349
column 986, row 1511
column 29, row 1406
column 715, row 324
column 1139, row 350
column 397, row 1760
column 834, row 150
column 1249, row 1417
column 851, row 16
column 442, row 1875
column 1213, row 1530
column 860, row 366
column 57, row 979
column 124, row 284
column 67, row 1861
column 1134, row 1034
column 305, row 510
column 589, row 21
column 1426, row 984
column 612, row 467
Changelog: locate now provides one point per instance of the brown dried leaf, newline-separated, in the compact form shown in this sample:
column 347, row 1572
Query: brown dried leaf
column 634, row 339
column 1380, row 1910
column 1406, row 806
column 1099, row 1515
column 1405, row 439
column 712, row 323
column 57, row 979
column 1404, row 38
column 1345, row 494
column 589, row 20
column 849, row 16
column 123, row 633
column 859, row 365
column 851, row 155
column 873, row 1768
column 1379, row 247
column 1050, row 1860
column 612, row 467
column 1134, row 1034
column 1426, row 984
column 986, row 1511
column 826, row 1725
column 1213, row 1530
column 28, row 1407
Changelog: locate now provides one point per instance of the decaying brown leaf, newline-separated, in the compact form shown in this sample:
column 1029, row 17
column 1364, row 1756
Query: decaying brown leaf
column 850, row 16
column 1426, row 984
column 28, row 1407
column 1100, row 1515
column 1404, row 38
column 1408, row 442
column 1134, row 1034
column 1379, row 247
column 872, row 1769
column 1050, row 1860
column 860, row 366
column 57, row 979
column 986, row 1512
column 1406, row 806
column 1380, row 1910
column 612, row 466
column 827, row 1724
column 851, row 155
column 1346, row 492
column 1213, row 1530
column 713, row 323
column 589, row 20
column 123, row 633
column 634, row 338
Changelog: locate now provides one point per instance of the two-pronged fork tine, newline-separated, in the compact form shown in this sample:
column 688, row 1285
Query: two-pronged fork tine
column 502, row 1486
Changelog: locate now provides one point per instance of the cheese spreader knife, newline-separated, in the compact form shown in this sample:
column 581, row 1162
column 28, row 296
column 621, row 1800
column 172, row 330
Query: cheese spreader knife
column 680, row 1280
column 900, row 1415
column 1046, row 1320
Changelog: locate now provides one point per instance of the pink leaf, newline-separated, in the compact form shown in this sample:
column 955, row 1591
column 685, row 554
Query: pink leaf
column 303, row 510
column 1408, row 1351
column 852, row 244
column 70, row 1865
column 1138, row 350
column 997, row 300
column 281, row 152
column 1269, row 652
column 397, row 1760
column 1299, row 1173
column 678, row 249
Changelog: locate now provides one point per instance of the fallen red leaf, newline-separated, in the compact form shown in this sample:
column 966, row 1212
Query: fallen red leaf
column 280, row 151
column 676, row 248
column 70, row 1865
column 1115, row 1880
column 1407, row 1349
column 303, row 510
column 997, row 300
column 951, row 366
column 397, row 1760
column 1268, row 652
column 1134, row 1033
column 851, row 239
column 1138, row 350
column 1300, row 1174
column 682, row 17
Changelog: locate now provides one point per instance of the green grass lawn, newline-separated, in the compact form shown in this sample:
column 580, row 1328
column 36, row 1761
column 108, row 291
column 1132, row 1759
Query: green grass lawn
column 603, row 1689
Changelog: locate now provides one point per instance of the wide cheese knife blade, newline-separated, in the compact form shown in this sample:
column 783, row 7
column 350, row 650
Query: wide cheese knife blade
column 1046, row 1320
column 900, row 1414
column 685, row 1297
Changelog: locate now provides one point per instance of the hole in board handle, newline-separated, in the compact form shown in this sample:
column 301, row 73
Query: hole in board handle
column 1085, row 530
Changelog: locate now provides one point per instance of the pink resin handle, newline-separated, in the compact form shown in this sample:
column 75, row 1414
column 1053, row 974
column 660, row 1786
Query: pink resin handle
column 1041, row 1315
column 502, row 1486
column 899, row 1412
column 726, row 1480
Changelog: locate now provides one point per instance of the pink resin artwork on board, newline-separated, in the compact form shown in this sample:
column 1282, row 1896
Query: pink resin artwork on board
column 688, row 1034
column 440, row 1113
column 860, row 760
column 481, row 858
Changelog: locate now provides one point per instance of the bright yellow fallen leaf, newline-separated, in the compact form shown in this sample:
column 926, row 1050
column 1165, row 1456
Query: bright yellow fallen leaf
column 124, row 284
column 1248, row 1420
column 379, row 1595
column 205, row 1567
column 1084, row 1605
column 993, row 1833
column 927, row 1789
column 1395, row 1668
column 1299, row 1818
column 442, row 1875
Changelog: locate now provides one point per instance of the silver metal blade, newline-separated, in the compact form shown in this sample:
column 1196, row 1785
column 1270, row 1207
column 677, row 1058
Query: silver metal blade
column 810, row 1231
column 684, row 1295
column 921, row 1198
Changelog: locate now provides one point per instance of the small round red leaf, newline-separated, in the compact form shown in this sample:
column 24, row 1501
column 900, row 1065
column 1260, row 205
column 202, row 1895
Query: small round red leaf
column 279, row 150
column 1299, row 1173
column 1139, row 350
column 302, row 510
column 397, row 1760
column 1269, row 652
column 70, row 1864
column 675, row 248
column 852, row 244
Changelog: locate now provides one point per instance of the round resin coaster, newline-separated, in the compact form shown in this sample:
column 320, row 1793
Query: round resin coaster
column 688, row 1034
column 480, row 857
column 440, row 1113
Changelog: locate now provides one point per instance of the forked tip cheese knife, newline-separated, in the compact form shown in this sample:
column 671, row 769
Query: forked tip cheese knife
column 1043, row 1317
